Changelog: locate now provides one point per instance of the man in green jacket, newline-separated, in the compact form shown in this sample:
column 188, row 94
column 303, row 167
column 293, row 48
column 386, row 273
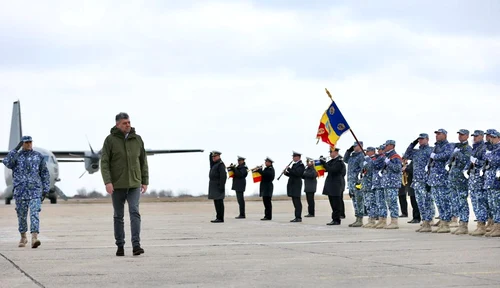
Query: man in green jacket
column 124, row 170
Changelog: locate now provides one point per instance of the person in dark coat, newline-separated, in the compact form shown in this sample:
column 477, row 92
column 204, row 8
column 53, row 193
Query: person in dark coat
column 335, row 184
column 294, row 185
column 217, row 184
column 267, row 187
column 403, row 190
column 239, row 184
column 310, row 182
column 413, row 200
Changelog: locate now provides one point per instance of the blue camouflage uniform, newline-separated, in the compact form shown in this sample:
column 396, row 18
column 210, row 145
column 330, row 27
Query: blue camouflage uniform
column 489, row 201
column 458, row 184
column 31, row 179
column 478, row 195
column 438, row 177
column 420, row 158
column 367, row 183
column 491, row 178
column 354, row 162
column 392, row 174
column 378, row 164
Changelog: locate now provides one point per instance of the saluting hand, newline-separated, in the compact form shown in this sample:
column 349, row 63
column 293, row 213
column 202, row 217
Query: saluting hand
column 19, row 145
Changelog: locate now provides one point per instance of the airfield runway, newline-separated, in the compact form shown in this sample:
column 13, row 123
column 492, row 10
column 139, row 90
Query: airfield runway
column 183, row 249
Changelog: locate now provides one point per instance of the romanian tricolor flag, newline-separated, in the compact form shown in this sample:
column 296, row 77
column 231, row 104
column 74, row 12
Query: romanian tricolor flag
column 256, row 177
column 332, row 125
column 230, row 172
column 319, row 168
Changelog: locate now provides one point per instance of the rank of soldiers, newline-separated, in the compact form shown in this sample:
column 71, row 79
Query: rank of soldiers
column 442, row 177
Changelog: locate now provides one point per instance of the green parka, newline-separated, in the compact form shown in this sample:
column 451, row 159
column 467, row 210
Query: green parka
column 123, row 160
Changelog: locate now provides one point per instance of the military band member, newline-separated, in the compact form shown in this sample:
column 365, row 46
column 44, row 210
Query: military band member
column 354, row 159
column 460, row 157
column 438, row 179
column 335, row 184
column 217, row 184
column 391, row 181
column 294, row 185
column 411, row 192
column 492, row 181
column 267, row 187
column 478, row 195
column 378, row 164
column 239, row 184
column 310, row 183
column 366, row 187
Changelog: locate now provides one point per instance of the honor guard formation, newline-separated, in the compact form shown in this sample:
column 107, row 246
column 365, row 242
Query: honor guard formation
column 442, row 176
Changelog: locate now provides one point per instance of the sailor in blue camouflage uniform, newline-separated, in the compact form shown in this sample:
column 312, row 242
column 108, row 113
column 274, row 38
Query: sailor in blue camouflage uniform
column 492, row 182
column 438, row 179
column 489, row 203
column 31, row 181
column 478, row 195
column 420, row 158
column 458, row 184
column 392, row 176
column 381, row 207
column 354, row 158
column 366, row 187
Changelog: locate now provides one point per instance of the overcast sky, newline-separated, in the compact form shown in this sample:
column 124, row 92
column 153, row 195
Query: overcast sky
column 244, row 77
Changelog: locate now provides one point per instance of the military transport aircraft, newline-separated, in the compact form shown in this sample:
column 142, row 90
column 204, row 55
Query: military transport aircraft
column 91, row 159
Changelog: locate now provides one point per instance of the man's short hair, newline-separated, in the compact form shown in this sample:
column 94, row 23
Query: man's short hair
column 121, row 116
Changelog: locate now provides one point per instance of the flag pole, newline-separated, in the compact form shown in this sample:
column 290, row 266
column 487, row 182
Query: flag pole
column 353, row 135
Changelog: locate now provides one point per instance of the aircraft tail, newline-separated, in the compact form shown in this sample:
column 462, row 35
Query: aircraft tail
column 16, row 130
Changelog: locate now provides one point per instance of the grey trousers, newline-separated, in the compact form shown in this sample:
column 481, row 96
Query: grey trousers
column 132, row 196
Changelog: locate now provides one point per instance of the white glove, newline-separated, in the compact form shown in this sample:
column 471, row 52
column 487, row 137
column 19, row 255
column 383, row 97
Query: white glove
column 465, row 174
column 473, row 160
column 498, row 173
column 447, row 167
column 367, row 158
column 380, row 173
column 433, row 155
column 426, row 168
column 456, row 150
column 387, row 160
column 487, row 153
column 481, row 173
column 364, row 163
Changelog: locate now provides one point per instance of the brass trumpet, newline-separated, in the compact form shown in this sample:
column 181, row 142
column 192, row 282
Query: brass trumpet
column 405, row 174
column 257, row 168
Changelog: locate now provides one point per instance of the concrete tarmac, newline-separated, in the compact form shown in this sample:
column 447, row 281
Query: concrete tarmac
column 183, row 249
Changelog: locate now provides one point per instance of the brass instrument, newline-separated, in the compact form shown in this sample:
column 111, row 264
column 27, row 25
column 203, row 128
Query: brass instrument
column 257, row 168
column 405, row 174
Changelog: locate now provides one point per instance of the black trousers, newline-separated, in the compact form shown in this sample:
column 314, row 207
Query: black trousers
column 342, row 208
column 403, row 204
column 241, row 202
column 337, row 204
column 268, row 207
column 298, row 207
column 414, row 207
column 219, row 208
column 310, row 203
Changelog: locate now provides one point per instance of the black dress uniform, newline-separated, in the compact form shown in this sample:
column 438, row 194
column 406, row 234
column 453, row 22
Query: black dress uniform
column 294, row 185
column 411, row 193
column 334, row 186
column 310, row 183
column 217, row 185
column 239, row 184
column 267, row 187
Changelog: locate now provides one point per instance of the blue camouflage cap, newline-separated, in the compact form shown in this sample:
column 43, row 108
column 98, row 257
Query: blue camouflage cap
column 463, row 131
column 370, row 148
column 495, row 134
column 490, row 131
column 478, row 132
column 356, row 143
column 26, row 139
column 423, row 135
column 390, row 142
column 381, row 147
column 441, row 130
